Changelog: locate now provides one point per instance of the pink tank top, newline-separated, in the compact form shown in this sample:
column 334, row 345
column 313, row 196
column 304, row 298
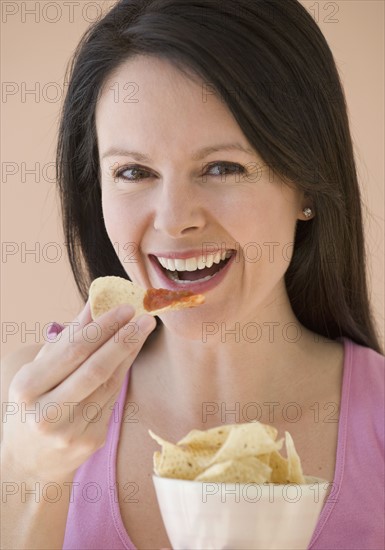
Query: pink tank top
column 353, row 514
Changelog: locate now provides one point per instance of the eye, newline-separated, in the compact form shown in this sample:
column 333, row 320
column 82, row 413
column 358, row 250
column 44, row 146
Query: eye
column 227, row 168
column 138, row 170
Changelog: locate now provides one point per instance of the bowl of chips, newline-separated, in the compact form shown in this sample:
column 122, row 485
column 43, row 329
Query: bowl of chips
column 229, row 487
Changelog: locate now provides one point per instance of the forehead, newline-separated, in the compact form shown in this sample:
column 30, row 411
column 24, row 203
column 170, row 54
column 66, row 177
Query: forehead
column 148, row 97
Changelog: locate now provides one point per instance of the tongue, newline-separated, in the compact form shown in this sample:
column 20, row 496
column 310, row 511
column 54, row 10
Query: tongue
column 199, row 273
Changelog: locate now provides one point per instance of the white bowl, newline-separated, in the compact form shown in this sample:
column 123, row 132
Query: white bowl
column 213, row 516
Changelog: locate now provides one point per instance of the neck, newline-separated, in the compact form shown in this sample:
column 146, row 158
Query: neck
column 233, row 373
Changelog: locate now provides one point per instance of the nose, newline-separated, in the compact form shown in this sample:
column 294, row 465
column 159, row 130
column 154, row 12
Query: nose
column 179, row 209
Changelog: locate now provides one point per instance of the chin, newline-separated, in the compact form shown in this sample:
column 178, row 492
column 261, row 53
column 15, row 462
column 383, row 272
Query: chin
column 189, row 327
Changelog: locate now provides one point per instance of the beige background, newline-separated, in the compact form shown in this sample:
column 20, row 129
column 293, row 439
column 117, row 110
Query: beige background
column 37, row 41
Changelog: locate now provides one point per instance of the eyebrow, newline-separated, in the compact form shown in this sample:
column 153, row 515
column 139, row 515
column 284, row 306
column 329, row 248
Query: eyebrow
column 197, row 155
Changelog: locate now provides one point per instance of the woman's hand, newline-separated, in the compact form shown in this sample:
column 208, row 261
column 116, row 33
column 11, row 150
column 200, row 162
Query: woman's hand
column 65, row 396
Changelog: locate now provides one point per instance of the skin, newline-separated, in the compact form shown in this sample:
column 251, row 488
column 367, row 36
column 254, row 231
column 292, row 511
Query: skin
column 174, row 208
column 176, row 371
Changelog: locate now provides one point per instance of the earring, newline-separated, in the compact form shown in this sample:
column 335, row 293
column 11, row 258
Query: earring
column 307, row 212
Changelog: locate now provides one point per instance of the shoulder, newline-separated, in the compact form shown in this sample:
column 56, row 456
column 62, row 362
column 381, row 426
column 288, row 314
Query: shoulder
column 367, row 381
column 366, row 362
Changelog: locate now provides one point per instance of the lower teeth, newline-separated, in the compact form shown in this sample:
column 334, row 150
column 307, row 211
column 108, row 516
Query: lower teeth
column 174, row 277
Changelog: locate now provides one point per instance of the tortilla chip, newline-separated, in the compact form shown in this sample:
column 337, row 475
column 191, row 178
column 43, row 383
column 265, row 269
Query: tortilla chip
column 177, row 462
column 295, row 474
column 203, row 439
column 279, row 468
column 244, row 470
column 105, row 293
column 250, row 439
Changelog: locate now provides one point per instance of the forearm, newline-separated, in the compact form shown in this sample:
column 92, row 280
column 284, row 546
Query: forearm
column 34, row 512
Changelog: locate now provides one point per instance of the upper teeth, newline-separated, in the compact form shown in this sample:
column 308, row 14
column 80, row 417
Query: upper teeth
column 191, row 264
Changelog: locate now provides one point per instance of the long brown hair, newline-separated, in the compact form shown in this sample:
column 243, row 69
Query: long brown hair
column 272, row 65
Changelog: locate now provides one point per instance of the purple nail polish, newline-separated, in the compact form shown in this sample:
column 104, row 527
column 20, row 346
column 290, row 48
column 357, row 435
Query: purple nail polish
column 53, row 330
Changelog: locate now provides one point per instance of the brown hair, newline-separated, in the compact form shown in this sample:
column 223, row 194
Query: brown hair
column 280, row 81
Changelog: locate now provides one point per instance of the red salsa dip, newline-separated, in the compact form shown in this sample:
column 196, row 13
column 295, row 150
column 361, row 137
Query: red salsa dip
column 158, row 298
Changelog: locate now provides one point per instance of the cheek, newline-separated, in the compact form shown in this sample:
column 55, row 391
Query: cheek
column 123, row 229
column 264, row 230
column 121, row 219
column 276, row 232
column 111, row 215
column 250, row 218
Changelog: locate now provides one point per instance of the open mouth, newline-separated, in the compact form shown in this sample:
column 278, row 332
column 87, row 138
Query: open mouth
column 200, row 274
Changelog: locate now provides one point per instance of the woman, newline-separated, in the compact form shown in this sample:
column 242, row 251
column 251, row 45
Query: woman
column 193, row 128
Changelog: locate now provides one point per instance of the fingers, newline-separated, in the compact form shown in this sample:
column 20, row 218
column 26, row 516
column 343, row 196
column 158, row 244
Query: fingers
column 97, row 428
column 103, row 398
column 92, row 414
column 81, row 320
column 66, row 355
column 97, row 376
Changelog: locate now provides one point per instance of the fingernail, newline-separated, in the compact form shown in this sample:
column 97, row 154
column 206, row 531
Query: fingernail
column 146, row 323
column 53, row 330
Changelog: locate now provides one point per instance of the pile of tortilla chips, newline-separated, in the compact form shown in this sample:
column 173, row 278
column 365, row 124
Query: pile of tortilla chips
column 243, row 453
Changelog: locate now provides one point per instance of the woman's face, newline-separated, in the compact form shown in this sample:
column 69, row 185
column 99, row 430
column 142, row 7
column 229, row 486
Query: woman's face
column 180, row 201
